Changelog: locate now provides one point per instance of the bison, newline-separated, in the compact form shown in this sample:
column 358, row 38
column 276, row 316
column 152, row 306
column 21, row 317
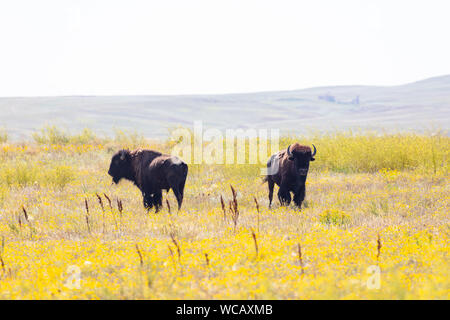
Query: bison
column 151, row 172
column 289, row 169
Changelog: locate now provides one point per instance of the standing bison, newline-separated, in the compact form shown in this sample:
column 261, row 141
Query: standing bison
column 151, row 172
column 289, row 169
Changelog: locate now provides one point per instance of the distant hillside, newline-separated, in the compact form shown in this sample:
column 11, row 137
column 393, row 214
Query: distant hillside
column 417, row 106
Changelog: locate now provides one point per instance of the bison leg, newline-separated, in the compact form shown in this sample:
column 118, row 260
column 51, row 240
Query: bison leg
column 284, row 196
column 179, row 195
column 299, row 197
column 181, row 191
column 148, row 201
column 177, row 187
column 271, row 186
column 178, row 190
column 157, row 200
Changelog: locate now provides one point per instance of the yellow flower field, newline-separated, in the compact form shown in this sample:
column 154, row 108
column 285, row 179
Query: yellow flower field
column 375, row 225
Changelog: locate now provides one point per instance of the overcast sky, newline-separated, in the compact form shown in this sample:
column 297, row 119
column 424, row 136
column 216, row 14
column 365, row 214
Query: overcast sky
column 96, row 47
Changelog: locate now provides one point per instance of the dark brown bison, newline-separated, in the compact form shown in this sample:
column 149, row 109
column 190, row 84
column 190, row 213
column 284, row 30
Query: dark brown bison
column 289, row 169
column 151, row 172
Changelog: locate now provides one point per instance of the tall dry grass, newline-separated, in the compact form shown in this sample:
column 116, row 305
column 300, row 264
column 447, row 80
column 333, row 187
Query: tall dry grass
column 349, row 152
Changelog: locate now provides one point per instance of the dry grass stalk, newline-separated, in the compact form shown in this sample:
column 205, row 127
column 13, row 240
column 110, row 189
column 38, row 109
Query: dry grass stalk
column 111, row 208
column 300, row 257
column 109, row 200
column 378, row 247
column 207, row 260
column 168, row 206
column 223, row 208
column 100, row 201
column 234, row 208
column 87, row 215
column 88, row 223
column 256, row 203
column 141, row 259
column 120, row 206
column 171, row 253
column 235, row 203
column 256, row 243
column 2, row 262
column 86, row 205
column 175, row 242
column 25, row 213
column 257, row 209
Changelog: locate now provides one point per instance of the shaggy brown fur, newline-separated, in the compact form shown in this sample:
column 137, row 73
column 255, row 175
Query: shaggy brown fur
column 289, row 169
column 151, row 172
column 296, row 147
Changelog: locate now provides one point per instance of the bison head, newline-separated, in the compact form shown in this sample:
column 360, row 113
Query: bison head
column 301, row 155
column 120, row 166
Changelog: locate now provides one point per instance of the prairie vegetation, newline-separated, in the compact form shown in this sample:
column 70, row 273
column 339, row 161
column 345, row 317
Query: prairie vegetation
column 3, row 135
column 373, row 203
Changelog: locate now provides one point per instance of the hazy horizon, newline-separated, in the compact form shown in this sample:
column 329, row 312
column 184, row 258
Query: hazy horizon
column 236, row 93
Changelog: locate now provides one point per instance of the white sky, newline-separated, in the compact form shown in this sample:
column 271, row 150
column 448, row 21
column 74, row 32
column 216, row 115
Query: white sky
column 94, row 47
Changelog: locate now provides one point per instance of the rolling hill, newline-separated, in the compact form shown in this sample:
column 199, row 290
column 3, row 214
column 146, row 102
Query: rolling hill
column 418, row 106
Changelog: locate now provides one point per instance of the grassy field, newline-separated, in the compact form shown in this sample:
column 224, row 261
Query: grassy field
column 373, row 203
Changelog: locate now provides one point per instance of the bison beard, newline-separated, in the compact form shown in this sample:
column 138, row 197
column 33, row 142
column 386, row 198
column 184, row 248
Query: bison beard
column 289, row 169
column 151, row 172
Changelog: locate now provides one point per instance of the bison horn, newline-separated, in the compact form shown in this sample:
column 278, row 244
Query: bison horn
column 289, row 153
column 315, row 151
